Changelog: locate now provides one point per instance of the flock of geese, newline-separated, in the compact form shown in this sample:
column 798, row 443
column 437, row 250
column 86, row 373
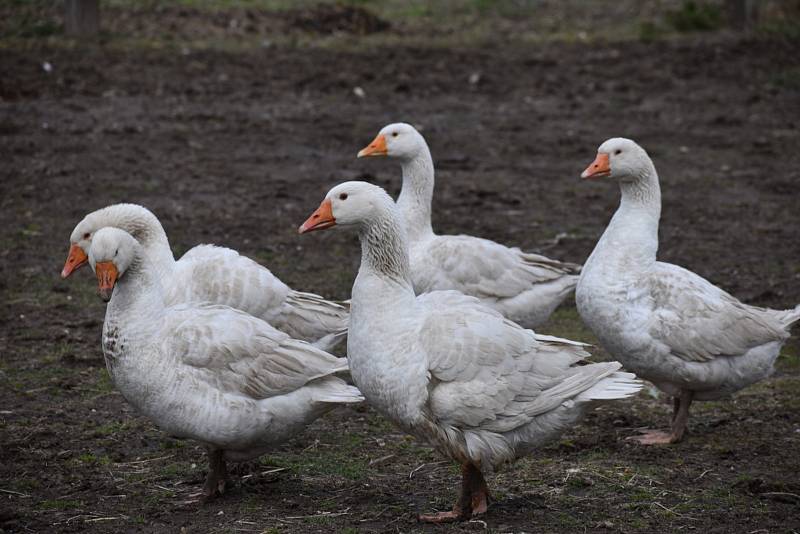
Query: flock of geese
column 215, row 348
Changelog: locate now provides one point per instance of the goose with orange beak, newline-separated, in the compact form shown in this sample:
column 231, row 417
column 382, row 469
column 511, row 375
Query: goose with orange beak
column 668, row 325
column 207, row 372
column 76, row 258
column 449, row 370
column 524, row 287
column 208, row 273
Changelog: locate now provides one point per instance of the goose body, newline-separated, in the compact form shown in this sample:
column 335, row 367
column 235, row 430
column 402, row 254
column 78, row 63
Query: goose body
column 218, row 275
column 207, row 372
column 667, row 324
column 448, row 369
column 522, row 286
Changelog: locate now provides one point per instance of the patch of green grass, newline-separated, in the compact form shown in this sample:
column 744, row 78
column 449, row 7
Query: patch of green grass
column 30, row 19
column 443, row 24
column 789, row 358
column 92, row 459
column 340, row 460
column 32, row 379
column 483, row 6
column 789, row 78
column 104, row 382
column 172, row 443
column 319, row 520
column 175, row 470
column 567, row 323
column 639, row 495
column 695, row 16
column 788, row 29
column 59, row 504
column 154, row 500
column 114, row 427
column 24, row 484
column 579, row 482
column 649, row 31
column 252, row 504
column 568, row 520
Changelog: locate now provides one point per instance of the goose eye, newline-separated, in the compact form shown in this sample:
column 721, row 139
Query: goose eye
column 87, row 235
column 343, row 196
column 116, row 252
column 617, row 152
column 394, row 134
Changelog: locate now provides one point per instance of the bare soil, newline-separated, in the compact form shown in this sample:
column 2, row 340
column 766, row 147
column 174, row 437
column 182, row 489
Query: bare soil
column 238, row 147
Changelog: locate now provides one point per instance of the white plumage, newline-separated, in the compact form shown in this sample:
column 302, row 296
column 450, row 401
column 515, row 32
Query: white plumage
column 447, row 368
column 219, row 275
column 663, row 322
column 207, row 372
column 522, row 286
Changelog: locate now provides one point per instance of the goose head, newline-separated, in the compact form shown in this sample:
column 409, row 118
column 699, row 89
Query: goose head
column 621, row 159
column 398, row 140
column 348, row 204
column 79, row 243
column 112, row 253
column 130, row 217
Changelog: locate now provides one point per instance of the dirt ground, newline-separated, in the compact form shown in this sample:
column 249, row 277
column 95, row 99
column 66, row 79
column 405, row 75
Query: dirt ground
column 237, row 147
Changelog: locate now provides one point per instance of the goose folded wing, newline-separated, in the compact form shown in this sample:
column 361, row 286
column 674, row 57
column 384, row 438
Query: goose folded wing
column 239, row 354
column 222, row 275
column 490, row 270
column 700, row 322
column 488, row 373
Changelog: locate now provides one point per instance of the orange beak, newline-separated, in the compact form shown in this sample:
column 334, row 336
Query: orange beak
column 599, row 168
column 376, row 148
column 106, row 278
column 75, row 259
column 320, row 219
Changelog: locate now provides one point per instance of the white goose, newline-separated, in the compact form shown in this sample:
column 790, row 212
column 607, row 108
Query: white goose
column 207, row 273
column 448, row 369
column 207, row 372
column 666, row 324
column 524, row 287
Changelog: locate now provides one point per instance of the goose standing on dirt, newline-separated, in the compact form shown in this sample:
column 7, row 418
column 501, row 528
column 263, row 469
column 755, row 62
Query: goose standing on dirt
column 207, row 372
column 524, row 287
column 448, row 369
column 218, row 275
column 664, row 323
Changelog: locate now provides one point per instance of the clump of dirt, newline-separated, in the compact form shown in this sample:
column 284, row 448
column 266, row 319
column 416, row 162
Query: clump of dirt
column 337, row 18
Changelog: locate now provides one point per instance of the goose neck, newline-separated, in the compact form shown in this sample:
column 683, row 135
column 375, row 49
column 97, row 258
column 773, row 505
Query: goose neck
column 630, row 242
column 145, row 227
column 137, row 294
column 642, row 193
column 417, row 193
column 384, row 250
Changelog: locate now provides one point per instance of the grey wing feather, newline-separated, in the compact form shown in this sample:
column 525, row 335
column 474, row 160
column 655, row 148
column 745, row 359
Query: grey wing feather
column 241, row 354
column 490, row 270
column 699, row 322
column 491, row 374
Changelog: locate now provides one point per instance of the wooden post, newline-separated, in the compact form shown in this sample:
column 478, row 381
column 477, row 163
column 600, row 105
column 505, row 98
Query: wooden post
column 81, row 17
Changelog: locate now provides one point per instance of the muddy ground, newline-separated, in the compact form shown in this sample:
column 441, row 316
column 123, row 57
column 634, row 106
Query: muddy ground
column 237, row 147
